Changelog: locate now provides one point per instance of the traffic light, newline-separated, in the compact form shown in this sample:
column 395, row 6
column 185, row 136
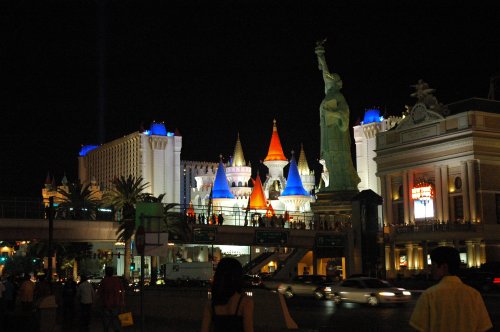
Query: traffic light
column 3, row 259
column 132, row 266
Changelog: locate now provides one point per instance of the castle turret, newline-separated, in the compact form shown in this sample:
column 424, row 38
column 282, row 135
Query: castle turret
column 295, row 197
column 221, row 194
column 238, row 174
column 258, row 198
column 275, row 162
column 306, row 175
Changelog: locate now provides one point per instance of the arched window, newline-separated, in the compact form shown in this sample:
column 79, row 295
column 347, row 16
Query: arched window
column 240, row 184
column 233, row 184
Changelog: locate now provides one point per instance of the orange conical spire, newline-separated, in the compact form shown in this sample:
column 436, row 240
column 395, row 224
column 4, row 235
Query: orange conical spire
column 275, row 150
column 257, row 198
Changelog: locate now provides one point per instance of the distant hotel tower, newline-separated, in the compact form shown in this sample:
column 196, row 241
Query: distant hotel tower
column 153, row 155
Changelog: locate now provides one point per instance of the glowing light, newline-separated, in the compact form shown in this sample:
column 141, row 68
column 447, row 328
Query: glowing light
column 158, row 129
column 422, row 193
column 86, row 149
column 372, row 115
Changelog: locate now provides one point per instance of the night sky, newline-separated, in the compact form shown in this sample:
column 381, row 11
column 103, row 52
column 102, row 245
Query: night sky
column 212, row 69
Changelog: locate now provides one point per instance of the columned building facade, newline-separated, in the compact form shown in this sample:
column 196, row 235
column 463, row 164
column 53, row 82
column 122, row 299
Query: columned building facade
column 439, row 183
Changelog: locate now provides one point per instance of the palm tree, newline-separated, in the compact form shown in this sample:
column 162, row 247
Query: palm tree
column 123, row 197
column 75, row 252
column 78, row 202
column 175, row 223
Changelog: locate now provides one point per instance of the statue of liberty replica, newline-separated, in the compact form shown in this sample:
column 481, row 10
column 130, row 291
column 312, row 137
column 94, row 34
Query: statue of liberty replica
column 335, row 135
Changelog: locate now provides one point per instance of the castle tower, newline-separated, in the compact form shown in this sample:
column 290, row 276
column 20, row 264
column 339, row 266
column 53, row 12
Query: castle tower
column 258, row 198
column 221, row 194
column 238, row 174
column 275, row 162
column 295, row 197
column 306, row 175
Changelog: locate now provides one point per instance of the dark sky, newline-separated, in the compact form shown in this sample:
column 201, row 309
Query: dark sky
column 213, row 68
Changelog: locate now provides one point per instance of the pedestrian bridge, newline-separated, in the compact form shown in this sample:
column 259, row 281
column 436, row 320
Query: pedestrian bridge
column 96, row 231
column 63, row 230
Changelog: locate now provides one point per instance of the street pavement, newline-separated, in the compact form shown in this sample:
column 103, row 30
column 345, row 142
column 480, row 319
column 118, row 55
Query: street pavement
column 310, row 314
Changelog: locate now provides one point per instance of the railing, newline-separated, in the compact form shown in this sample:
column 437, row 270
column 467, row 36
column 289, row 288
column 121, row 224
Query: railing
column 33, row 208
column 27, row 208
column 22, row 208
column 434, row 227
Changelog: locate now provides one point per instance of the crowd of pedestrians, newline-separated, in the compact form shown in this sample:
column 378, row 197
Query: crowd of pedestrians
column 31, row 303
column 273, row 221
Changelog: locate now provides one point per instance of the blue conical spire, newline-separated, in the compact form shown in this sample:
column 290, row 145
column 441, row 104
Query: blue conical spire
column 221, row 188
column 294, row 182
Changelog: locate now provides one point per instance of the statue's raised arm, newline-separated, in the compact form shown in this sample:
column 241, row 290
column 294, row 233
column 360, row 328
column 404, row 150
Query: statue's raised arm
column 320, row 53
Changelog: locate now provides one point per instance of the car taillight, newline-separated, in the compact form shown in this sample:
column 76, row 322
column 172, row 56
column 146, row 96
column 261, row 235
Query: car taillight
column 496, row 280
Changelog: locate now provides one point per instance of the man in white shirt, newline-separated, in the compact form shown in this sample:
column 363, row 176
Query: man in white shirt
column 85, row 294
column 450, row 305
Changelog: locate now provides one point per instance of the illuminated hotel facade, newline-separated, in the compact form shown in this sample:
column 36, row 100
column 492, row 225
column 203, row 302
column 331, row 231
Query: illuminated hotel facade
column 153, row 155
column 440, row 185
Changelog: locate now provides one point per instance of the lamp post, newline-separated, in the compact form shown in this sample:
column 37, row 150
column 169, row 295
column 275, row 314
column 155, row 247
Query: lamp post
column 51, row 235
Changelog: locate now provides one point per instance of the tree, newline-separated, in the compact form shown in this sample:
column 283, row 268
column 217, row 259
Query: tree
column 74, row 252
column 175, row 223
column 77, row 203
column 65, row 252
column 124, row 195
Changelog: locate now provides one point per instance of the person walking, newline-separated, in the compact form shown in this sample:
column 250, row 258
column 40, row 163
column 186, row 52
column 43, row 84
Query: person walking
column 85, row 296
column 26, row 293
column 68, row 297
column 229, row 310
column 9, row 295
column 112, row 297
column 450, row 305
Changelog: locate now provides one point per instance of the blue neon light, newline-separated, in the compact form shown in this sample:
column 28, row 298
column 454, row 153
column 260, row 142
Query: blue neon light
column 372, row 115
column 158, row 129
column 86, row 148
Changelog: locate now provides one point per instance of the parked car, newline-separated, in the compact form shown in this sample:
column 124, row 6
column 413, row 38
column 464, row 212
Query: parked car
column 304, row 285
column 371, row 291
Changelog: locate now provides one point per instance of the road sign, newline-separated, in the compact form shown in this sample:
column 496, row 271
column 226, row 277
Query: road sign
column 140, row 239
column 329, row 241
column 271, row 237
column 204, row 235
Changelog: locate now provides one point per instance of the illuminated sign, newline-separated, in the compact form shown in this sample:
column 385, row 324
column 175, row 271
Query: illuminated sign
column 422, row 193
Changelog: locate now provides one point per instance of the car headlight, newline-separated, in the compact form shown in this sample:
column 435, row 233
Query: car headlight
column 387, row 294
column 406, row 293
column 327, row 289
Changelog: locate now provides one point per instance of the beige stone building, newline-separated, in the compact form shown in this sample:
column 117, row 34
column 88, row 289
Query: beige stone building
column 440, row 182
